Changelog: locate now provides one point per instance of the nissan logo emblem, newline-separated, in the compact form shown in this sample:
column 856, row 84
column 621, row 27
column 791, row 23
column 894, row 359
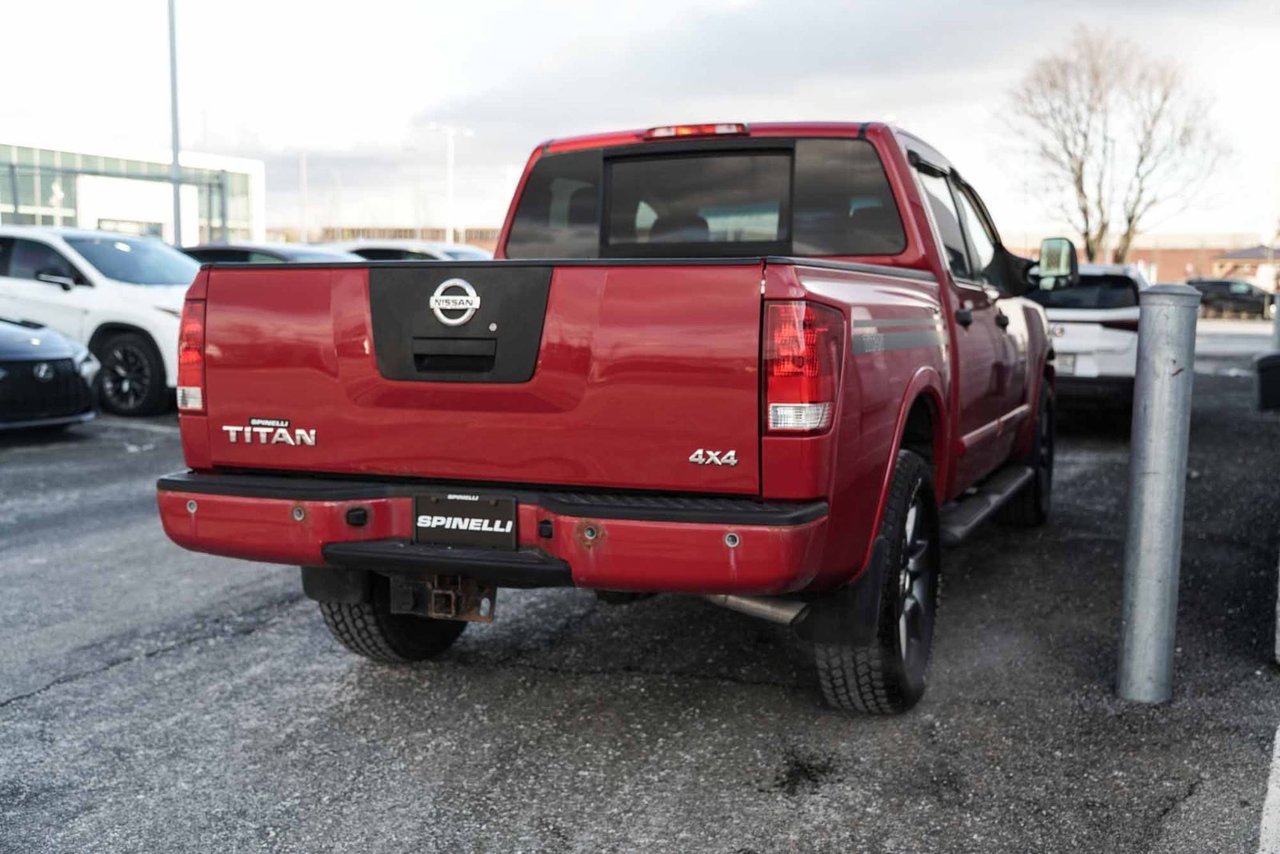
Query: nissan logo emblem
column 454, row 295
column 43, row 372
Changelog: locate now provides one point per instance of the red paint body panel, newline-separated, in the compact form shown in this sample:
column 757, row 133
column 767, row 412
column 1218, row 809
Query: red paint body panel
column 626, row 387
column 626, row 554
column 639, row 365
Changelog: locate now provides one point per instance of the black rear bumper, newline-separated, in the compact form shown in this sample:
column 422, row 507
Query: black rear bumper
column 522, row 568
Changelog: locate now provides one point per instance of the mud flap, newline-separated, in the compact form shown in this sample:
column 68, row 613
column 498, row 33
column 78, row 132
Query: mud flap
column 851, row 614
column 330, row 584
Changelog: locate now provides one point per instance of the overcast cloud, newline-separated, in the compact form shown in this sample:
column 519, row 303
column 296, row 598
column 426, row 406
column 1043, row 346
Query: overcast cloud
column 356, row 87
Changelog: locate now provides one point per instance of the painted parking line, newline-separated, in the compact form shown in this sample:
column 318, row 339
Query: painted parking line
column 130, row 424
column 1269, row 836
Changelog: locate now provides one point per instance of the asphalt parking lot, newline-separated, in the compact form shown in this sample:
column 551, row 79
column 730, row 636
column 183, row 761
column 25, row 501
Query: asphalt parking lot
column 156, row 700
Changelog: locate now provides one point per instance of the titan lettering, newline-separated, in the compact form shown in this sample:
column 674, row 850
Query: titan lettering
column 250, row 435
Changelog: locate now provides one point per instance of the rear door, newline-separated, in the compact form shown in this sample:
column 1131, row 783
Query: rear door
column 981, row 347
column 1010, row 330
column 586, row 374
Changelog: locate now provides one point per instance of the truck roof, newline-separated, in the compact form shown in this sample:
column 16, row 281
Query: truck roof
column 740, row 129
column 754, row 129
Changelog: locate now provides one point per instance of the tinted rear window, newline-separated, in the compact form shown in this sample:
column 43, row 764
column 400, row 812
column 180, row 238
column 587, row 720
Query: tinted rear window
column 827, row 197
column 1092, row 292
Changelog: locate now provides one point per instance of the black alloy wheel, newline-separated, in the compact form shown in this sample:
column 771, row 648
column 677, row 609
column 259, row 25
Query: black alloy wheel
column 917, row 587
column 132, row 376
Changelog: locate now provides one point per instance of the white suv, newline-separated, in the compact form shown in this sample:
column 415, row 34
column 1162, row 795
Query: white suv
column 121, row 296
column 1093, row 327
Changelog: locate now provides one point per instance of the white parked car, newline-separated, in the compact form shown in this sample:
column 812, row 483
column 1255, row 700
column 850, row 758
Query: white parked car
column 1094, row 331
column 119, row 295
column 411, row 250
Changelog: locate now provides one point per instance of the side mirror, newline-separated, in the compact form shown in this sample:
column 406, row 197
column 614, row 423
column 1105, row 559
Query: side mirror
column 1058, row 263
column 54, row 278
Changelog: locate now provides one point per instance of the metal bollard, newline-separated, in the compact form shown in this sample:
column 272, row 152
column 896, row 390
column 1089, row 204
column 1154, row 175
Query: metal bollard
column 1275, row 320
column 1157, row 483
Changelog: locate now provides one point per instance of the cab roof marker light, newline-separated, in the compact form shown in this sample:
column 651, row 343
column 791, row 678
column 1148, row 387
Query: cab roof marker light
column 674, row 131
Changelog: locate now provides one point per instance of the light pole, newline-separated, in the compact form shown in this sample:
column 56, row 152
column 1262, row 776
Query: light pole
column 451, row 132
column 175, row 170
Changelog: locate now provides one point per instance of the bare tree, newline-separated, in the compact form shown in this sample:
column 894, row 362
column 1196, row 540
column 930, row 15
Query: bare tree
column 1117, row 134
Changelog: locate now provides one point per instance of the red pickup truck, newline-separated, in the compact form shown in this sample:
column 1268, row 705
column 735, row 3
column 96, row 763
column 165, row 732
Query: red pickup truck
column 777, row 365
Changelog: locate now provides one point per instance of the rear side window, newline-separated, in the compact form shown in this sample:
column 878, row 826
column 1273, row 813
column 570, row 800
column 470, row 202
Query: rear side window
column 1092, row 292
column 559, row 212
column 937, row 192
column 811, row 197
column 30, row 257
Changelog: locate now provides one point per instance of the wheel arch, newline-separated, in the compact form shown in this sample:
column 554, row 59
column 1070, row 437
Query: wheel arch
column 106, row 330
column 922, row 427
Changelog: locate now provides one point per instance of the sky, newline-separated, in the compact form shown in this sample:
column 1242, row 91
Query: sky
column 362, row 89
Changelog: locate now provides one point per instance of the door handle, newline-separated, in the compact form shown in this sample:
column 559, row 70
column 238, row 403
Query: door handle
column 1002, row 319
column 964, row 317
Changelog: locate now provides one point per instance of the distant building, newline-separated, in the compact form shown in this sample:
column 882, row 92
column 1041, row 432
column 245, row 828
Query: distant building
column 1254, row 263
column 132, row 194
column 485, row 238
column 1175, row 257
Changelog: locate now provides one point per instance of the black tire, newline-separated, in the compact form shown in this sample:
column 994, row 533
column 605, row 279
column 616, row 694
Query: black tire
column 887, row 677
column 132, row 380
column 371, row 630
column 1030, row 507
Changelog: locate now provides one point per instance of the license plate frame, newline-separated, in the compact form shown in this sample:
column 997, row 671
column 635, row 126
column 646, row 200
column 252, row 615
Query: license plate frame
column 465, row 520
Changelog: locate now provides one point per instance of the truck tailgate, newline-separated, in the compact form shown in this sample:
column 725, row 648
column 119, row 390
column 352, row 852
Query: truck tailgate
column 578, row 374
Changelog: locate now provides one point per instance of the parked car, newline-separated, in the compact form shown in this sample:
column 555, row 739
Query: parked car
column 1094, row 327
column 412, row 250
column 120, row 296
column 46, row 380
column 774, row 372
column 1233, row 296
column 266, row 253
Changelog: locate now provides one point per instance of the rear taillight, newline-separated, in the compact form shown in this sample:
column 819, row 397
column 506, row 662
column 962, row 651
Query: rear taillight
column 191, row 358
column 803, row 344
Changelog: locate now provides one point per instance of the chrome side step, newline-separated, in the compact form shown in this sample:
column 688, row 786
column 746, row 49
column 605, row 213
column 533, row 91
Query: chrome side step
column 960, row 518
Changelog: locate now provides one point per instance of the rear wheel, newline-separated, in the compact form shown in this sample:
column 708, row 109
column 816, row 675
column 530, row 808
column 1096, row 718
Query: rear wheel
column 887, row 676
column 1030, row 507
column 371, row 630
column 132, row 379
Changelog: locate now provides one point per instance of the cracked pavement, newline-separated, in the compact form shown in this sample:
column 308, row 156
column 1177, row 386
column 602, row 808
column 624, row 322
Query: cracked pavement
column 157, row 700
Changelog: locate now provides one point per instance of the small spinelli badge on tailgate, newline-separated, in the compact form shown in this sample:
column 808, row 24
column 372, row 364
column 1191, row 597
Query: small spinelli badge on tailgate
column 702, row 457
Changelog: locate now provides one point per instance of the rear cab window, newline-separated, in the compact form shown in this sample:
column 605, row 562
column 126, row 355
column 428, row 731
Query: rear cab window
column 805, row 197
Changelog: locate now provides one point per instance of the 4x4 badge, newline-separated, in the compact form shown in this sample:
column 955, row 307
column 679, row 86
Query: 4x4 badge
column 454, row 295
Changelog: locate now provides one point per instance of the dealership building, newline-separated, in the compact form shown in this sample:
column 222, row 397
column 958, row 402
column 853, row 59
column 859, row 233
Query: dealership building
column 131, row 193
